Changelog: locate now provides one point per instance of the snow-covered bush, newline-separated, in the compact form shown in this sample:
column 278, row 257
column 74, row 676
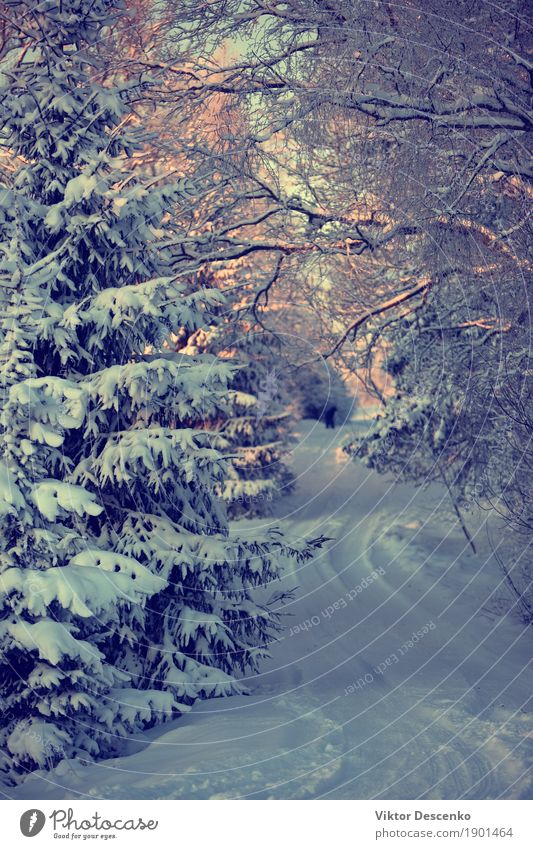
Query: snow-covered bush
column 123, row 596
column 460, row 414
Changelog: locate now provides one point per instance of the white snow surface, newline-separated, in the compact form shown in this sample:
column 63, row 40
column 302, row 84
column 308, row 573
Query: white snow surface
column 351, row 705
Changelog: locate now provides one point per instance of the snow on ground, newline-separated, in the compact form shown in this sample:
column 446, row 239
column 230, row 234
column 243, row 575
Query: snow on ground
column 354, row 703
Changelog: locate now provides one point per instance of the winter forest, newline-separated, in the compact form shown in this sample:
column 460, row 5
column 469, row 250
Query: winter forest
column 266, row 399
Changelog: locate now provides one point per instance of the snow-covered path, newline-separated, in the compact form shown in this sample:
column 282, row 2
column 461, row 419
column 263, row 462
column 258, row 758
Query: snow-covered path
column 354, row 703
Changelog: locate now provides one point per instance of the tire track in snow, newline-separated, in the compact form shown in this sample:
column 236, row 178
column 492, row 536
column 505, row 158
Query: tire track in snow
column 449, row 719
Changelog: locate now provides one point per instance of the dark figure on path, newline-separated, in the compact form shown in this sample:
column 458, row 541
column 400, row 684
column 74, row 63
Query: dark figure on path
column 329, row 418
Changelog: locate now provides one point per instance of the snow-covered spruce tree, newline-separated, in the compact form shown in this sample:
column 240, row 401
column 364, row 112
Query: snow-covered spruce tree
column 123, row 597
column 256, row 420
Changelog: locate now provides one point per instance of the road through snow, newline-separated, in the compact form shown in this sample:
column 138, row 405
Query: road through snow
column 403, row 671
